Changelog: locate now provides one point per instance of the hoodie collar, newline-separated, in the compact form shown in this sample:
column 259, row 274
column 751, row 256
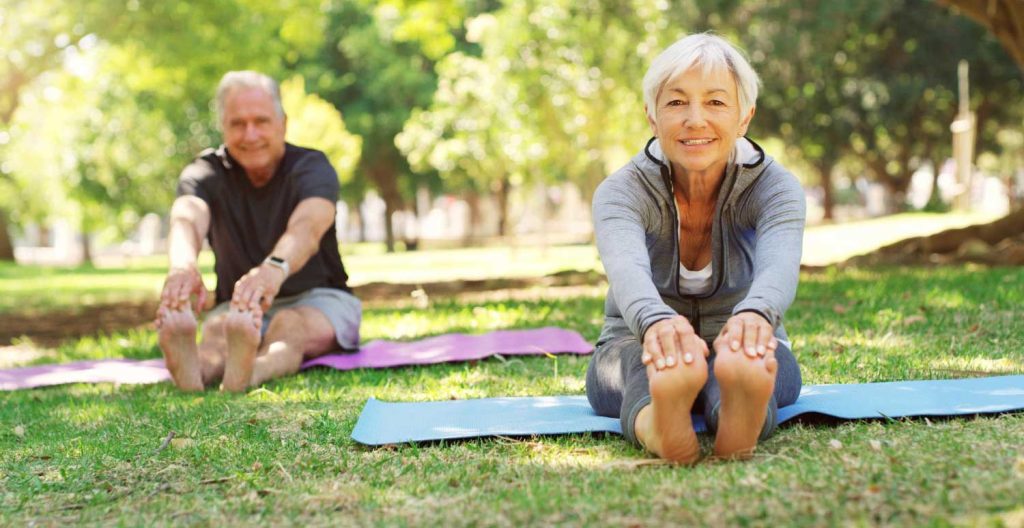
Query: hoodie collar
column 746, row 155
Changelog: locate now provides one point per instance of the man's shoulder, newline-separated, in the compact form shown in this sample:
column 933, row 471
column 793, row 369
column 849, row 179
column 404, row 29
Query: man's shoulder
column 304, row 154
column 305, row 162
column 207, row 163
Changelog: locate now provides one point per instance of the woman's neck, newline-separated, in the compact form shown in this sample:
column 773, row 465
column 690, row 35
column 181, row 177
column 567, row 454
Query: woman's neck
column 698, row 187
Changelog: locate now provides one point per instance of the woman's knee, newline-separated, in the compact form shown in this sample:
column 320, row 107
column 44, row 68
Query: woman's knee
column 788, row 381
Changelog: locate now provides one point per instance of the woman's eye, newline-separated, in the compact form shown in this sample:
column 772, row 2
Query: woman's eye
column 675, row 102
column 717, row 102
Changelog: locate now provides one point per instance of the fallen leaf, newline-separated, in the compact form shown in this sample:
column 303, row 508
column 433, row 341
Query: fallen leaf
column 875, row 444
column 916, row 318
column 19, row 431
column 839, row 309
column 835, row 444
column 633, row 464
column 974, row 328
column 179, row 443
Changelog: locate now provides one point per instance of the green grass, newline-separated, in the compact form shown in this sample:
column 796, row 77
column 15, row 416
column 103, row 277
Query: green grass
column 34, row 288
column 281, row 455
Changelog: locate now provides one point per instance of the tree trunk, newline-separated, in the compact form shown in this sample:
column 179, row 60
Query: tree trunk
column 828, row 202
column 935, row 202
column 473, row 201
column 86, row 249
column 385, row 177
column 6, row 247
column 389, row 228
column 503, row 192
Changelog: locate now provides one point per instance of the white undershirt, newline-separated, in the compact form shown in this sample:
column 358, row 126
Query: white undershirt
column 694, row 282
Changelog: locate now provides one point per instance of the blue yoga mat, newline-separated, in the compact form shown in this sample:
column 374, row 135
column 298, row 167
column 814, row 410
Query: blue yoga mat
column 394, row 423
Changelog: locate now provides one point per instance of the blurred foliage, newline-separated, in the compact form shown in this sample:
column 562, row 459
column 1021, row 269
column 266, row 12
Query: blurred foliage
column 315, row 123
column 105, row 101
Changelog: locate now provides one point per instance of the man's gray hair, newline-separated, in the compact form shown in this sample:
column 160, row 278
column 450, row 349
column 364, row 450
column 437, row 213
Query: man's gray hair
column 708, row 51
column 247, row 79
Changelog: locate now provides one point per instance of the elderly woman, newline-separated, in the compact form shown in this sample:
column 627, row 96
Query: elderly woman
column 700, row 236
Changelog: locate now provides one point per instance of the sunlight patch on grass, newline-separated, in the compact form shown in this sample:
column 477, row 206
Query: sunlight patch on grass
column 942, row 298
column 828, row 244
column 979, row 365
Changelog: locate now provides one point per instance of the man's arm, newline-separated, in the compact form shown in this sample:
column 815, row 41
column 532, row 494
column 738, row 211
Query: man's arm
column 190, row 222
column 300, row 241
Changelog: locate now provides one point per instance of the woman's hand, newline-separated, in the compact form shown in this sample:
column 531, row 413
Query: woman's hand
column 747, row 331
column 671, row 341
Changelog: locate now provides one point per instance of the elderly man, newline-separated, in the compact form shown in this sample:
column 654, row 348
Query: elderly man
column 267, row 208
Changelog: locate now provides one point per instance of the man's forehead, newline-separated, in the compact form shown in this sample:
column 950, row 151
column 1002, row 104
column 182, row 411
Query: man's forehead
column 248, row 97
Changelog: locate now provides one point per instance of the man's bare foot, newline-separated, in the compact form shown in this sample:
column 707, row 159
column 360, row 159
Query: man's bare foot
column 177, row 335
column 747, row 386
column 665, row 427
column 243, row 335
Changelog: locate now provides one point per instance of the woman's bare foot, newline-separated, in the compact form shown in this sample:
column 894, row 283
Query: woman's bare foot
column 243, row 336
column 177, row 336
column 747, row 385
column 665, row 426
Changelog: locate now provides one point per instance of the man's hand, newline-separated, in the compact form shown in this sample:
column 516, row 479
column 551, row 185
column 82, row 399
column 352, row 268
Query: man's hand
column 257, row 288
column 670, row 342
column 749, row 332
column 179, row 286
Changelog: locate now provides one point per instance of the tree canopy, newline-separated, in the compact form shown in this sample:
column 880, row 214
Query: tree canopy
column 103, row 102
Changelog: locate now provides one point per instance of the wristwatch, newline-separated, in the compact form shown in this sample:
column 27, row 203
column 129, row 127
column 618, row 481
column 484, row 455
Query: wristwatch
column 278, row 263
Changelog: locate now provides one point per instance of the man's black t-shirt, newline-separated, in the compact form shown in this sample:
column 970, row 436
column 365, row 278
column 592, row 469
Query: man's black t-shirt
column 246, row 222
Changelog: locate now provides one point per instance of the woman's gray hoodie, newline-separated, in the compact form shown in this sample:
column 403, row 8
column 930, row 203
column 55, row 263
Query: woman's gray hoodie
column 756, row 242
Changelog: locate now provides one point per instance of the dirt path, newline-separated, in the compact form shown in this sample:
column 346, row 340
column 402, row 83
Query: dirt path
column 50, row 328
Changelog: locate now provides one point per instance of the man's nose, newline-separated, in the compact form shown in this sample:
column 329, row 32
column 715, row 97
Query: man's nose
column 251, row 131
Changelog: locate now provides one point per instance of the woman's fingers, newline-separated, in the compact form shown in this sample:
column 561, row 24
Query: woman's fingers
column 652, row 352
column 734, row 333
column 750, row 332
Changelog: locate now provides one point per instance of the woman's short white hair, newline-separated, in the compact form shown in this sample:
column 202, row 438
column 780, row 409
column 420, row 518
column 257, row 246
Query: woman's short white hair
column 233, row 80
column 708, row 51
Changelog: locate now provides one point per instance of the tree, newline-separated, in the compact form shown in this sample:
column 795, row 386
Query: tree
column 377, row 66
column 156, row 78
column 1003, row 18
column 315, row 123
column 468, row 135
column 34, row 35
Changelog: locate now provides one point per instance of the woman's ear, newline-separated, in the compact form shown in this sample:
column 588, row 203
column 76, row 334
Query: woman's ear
column 746, row 122
column 650, row 122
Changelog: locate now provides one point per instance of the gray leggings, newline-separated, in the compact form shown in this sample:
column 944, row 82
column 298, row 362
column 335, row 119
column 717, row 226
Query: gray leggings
column 617, row 385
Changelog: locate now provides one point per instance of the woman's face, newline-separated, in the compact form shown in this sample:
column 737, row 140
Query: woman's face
column 697, row 120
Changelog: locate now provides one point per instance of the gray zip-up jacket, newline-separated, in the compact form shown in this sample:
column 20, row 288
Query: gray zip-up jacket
column 756, row 242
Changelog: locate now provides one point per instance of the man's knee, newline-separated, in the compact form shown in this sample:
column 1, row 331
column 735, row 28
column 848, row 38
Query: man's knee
column 301, row 325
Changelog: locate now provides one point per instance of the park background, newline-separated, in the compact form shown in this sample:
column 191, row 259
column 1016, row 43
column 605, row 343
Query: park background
column 469, row 136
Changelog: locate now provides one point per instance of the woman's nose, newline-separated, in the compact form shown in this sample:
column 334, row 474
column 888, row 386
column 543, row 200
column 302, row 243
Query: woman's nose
column 693, row 116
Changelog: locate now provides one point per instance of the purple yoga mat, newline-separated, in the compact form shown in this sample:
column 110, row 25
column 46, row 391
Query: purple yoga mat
column 375, row 354
column 457, row 347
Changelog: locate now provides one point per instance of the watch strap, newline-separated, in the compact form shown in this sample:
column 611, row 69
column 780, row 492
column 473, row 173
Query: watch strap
column 278, row 263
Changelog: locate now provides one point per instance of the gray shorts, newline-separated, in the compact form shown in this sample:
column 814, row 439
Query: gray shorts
column 341, row 308
column 617, row 385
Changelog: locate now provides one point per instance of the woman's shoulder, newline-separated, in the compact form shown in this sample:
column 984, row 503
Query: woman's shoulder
column 639, row 174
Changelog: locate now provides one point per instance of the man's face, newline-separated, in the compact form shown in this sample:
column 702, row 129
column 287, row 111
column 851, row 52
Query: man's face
column 253, row 131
